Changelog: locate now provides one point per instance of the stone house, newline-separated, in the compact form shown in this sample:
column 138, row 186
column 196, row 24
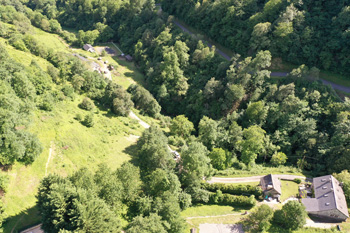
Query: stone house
column 271, row 186
column 329, row 202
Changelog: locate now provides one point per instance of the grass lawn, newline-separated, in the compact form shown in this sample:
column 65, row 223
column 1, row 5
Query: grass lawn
column 210, row 210
column 245, row 183
column 194, row 223
column 345, row 226
column 233, row 215
column 50, row 40
column 125, row 72
column 289, row 188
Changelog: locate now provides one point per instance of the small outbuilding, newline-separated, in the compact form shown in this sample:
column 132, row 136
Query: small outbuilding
column 89, row 47
column 329, row 202
column 271, row 186
column 128, row 58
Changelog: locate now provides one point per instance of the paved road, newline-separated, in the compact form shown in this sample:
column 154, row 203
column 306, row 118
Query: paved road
column 250, row 179
column 336, row 86
column 274, row 74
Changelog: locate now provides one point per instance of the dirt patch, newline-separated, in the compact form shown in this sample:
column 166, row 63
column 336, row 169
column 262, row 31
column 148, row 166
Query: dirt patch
column 220, row 228
column 21, row 127
column 132, row 138
column 322, row 225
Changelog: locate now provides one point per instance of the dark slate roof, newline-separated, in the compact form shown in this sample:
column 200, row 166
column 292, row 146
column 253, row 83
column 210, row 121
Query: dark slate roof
column 311, row 204
column 271, row 180
column 328, row 194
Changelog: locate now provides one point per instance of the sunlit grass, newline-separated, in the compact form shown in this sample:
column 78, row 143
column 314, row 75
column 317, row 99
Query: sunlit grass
column 289, row 189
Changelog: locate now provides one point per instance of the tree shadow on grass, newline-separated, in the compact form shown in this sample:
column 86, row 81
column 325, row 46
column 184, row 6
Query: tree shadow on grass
column 25, row 219
column 132, row 151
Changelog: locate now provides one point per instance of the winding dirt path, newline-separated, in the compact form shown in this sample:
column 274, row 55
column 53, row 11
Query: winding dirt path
column 141, row 122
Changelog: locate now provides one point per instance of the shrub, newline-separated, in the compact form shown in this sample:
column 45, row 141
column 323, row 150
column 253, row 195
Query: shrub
column 278, row 158
column 144, row 100
column 87, row 104
column 233, row 200
column 234, row 189
column 68, row 91
column 47, row 102
column 4, row 181
column 297, row 180
column 88, row 120
column 78, row 117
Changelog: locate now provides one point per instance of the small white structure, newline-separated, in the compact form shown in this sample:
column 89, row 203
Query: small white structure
column 88, row 47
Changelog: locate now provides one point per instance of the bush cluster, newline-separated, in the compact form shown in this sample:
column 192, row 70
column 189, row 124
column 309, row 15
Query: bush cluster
column 234, row 189
column 227, row 199
column 87, row 104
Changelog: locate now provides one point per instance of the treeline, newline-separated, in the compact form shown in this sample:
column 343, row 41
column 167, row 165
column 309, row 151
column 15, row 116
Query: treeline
column 19, row 94
column 308, row 32
column 234, row 189
column 15, row 12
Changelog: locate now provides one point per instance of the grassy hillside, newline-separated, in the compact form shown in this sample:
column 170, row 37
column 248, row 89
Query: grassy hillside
column 68, row 145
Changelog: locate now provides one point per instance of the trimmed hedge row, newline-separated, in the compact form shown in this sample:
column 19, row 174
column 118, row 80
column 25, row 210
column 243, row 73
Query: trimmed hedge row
column 234, row 189
column 227, row 199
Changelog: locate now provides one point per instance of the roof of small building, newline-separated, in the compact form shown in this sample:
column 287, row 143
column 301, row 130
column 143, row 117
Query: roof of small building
column 273, row 180
column 329, row 195
column 128, row 57
column 88, row 46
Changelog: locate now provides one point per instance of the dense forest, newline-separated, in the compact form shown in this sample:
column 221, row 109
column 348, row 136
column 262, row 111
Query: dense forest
column 227, row 116
column 230, row 103
column 308, row 32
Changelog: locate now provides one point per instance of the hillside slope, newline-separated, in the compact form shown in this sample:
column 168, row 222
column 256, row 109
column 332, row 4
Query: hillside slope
column 67, row 144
